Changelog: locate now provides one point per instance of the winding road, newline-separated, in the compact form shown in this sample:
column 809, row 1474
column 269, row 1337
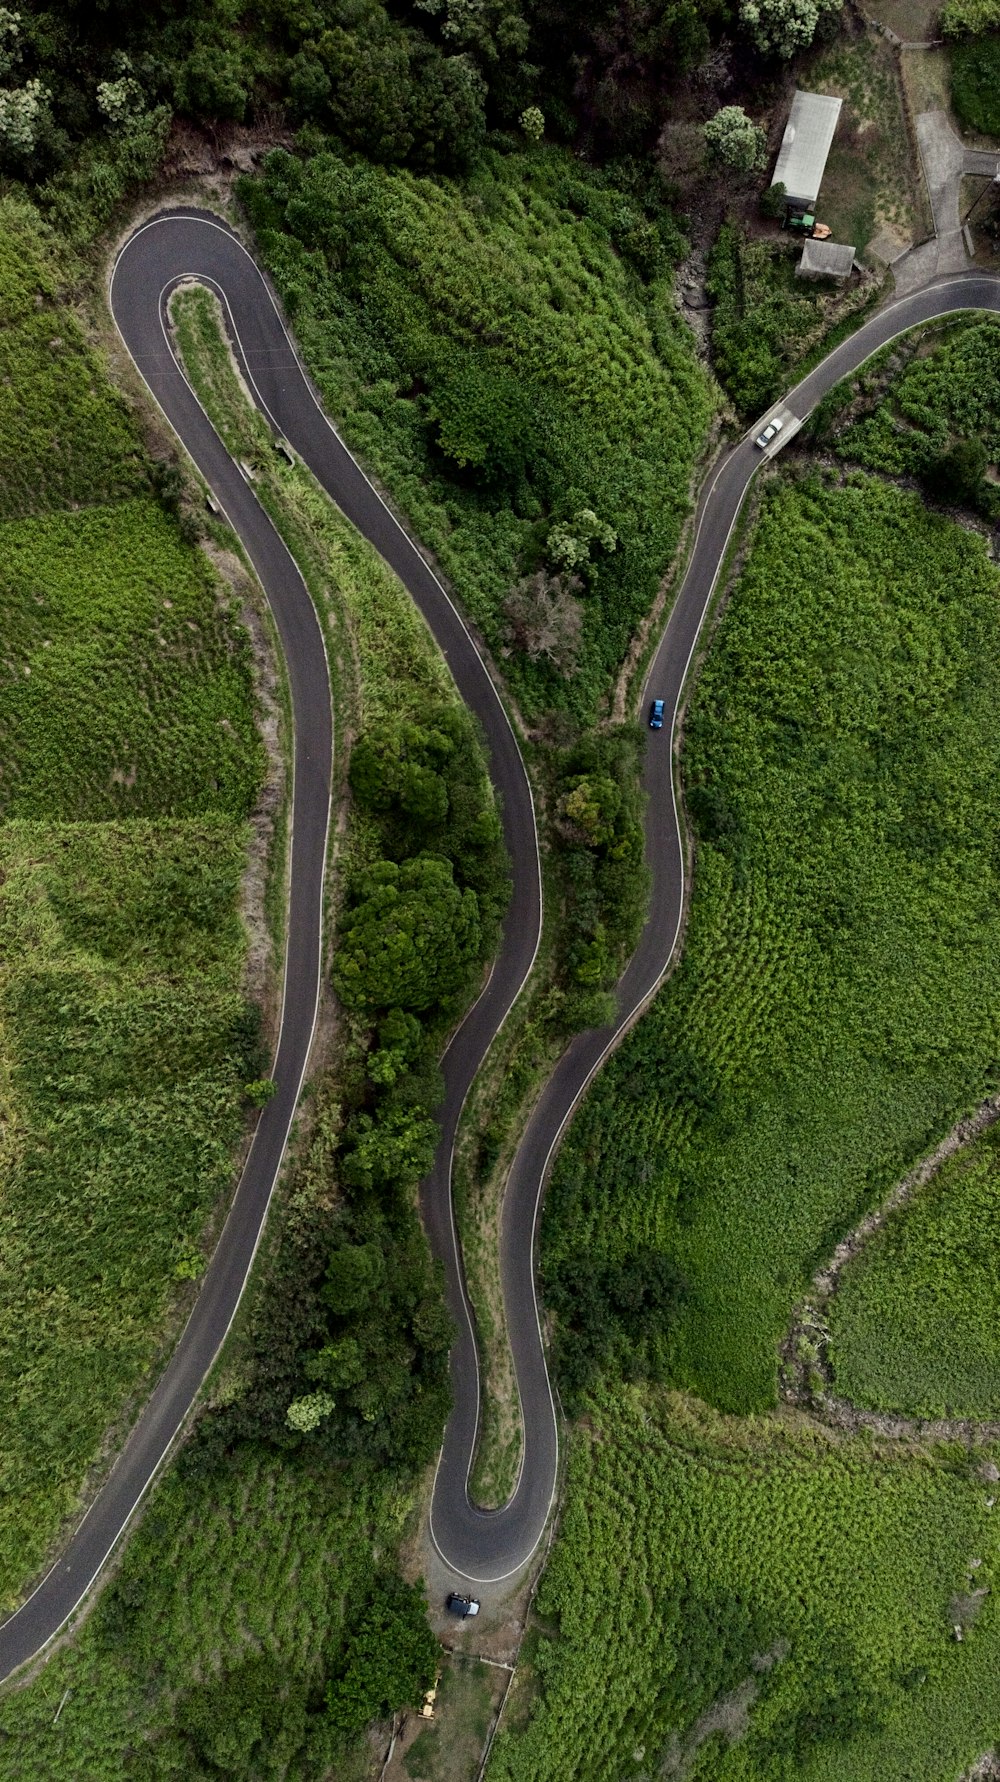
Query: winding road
column 476, row 1546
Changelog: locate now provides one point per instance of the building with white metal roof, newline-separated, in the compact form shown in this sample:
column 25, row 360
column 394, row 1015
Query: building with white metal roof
column 806, row 145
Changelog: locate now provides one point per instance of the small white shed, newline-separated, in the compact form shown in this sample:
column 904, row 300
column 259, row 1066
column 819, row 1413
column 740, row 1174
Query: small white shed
column 825, row 259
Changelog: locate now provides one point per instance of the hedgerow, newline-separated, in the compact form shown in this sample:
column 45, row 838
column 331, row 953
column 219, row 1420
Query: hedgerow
column 914, row 1323
column 760, row 1601
column 829, row 1018
column 504, row 370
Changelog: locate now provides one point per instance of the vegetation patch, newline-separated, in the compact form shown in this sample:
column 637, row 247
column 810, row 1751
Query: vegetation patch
column 759, row 1601
column 830, row 1016
column 229, row 1644
column 508, row 357
column 130, row 763
column 927, row 407
column 975, row 82
column 127, row 690
column 766, row 321
column 913, row 1325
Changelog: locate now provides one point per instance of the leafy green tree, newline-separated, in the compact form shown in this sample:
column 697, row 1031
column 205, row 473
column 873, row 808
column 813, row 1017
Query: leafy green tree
column 957, row 474
column 570, row 542
column 773, row 199
column 487, row 417
column 390, row 1661
column 784, row 27
column 589, row 808
column 970, row 18
column 734, row 140
column 306, row 1414
column 532, row 122
column 249, row 1722
column 400, row 1038
column 393, row 1148
column 410, row 938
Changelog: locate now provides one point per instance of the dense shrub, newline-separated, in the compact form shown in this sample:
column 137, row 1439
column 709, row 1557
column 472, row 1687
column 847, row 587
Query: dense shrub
column 975, row 83
column 600, row 857
column 929, row 407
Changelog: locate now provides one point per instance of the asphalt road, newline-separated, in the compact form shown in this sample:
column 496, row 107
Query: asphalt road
column 476, row 1546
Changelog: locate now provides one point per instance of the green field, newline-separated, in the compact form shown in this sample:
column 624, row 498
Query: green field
column 506, row 355
column 128, row 689
column 835, row 1007
column 914, row 1322
column 65, row 435
column 758, row 1602
column 915, row 398
column 126, row 1043
column 166, row 1679
column 129, row 763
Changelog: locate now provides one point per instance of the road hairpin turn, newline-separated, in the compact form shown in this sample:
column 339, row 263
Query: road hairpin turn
column 476, row 1545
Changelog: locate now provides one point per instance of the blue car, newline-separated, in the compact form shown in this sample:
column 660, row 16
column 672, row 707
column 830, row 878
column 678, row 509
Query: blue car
column 656, row 715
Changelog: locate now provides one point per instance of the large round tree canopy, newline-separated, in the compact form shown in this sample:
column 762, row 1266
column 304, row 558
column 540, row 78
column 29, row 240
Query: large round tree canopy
column 409, row 940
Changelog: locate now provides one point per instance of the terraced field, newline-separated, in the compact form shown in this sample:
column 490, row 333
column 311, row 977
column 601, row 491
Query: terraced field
column 130, row 763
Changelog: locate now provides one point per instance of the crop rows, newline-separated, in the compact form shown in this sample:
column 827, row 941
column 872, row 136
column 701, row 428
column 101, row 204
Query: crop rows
column 758, row 1601
column 914, row 1321
column 831, row 1014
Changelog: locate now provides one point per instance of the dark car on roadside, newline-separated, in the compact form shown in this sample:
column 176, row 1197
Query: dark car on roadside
column 461, row 1605
column 656, row 715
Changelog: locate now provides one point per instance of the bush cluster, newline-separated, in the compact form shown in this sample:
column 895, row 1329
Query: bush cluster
column 600, row 857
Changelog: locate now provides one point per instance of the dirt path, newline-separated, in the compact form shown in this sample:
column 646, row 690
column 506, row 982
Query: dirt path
column 806, row 1373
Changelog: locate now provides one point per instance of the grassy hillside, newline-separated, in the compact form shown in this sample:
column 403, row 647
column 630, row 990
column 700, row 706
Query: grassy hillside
column 130, row 762
column 835, row 1007
column 207, row 1656
column 918, row 397
column 259, row 1623
column 758, row 1602
column 915, row 1318
column 507, row 356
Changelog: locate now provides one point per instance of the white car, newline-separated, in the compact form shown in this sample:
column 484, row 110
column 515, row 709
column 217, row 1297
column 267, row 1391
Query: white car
column 770, row 432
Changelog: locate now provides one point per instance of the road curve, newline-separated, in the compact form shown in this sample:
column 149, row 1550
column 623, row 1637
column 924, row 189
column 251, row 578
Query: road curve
column 476, row 1545
column 487, row 1547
